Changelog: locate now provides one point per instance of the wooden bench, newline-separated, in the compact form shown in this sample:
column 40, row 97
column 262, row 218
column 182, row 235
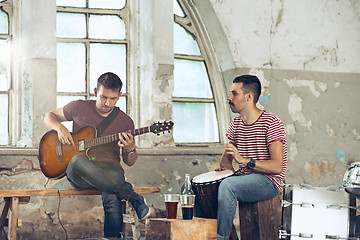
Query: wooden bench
column 14, row 197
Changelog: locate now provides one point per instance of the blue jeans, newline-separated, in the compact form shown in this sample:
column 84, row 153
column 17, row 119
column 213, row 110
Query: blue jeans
column 110, row 180
column 246, row 188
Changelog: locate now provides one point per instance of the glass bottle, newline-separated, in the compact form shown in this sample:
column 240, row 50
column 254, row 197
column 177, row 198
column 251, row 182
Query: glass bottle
column 187, row 186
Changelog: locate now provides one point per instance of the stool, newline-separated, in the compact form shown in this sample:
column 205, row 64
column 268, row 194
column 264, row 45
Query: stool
column 179, row 229
column 260, row 220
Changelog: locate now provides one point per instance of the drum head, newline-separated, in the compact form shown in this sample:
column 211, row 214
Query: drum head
column 211, row 176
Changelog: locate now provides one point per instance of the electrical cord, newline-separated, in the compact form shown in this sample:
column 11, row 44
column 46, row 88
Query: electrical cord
column 58, row 208
column 58, row 212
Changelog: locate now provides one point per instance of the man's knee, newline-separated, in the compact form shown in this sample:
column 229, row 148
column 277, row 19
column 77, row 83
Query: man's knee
column 111, row 202
column 78, row 160
column 225, row 185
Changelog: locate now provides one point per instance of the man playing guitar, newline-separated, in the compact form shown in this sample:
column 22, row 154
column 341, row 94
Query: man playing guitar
column 101, row 168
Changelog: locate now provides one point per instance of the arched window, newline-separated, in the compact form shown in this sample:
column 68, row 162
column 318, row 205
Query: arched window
column 193, row 99
column 91, row 39
column 5, row 84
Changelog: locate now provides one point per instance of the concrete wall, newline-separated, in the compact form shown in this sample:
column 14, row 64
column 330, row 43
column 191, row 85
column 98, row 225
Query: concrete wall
column 305, row 53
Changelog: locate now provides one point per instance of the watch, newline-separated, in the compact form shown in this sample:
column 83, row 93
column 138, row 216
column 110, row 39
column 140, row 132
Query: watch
column 251, row 164
column 131, row 152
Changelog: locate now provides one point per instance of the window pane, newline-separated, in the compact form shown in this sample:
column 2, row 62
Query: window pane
column 109, row 4
column 177, row 9
column 4, row 28
column 183, row 42
column 71, row 3
column 195, row 122
column 71, row 67
column 106, row 27
column 191, row 79
column 70, row 25
column 107, row 58
column 4, row 65
column 4, row 120
column 63, row 100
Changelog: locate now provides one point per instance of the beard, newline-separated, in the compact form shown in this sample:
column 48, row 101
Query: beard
column 233, row 108
column 105, row 109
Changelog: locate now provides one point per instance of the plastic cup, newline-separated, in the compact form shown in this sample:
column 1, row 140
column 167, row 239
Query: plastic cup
column 171, row 203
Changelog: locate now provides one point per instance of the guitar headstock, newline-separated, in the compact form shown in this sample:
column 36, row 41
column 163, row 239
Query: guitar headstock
column 159, row 127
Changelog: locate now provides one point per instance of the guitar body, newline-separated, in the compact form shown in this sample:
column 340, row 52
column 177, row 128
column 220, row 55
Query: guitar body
column 54, row 157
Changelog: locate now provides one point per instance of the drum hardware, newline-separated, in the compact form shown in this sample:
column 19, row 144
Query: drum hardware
column 302, row 186
column 338, row 207
column 338, row 237
column 285, row 203
column 283, row 234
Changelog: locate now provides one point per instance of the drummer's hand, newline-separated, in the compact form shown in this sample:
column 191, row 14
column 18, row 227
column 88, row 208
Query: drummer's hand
column 220, row 169
column 232, row 150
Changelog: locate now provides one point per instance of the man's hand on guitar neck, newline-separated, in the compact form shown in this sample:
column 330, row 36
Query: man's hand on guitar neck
column 126, row 141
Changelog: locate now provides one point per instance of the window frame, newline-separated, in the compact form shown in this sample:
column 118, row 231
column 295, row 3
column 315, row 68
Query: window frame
column 6, row 7
column 124, row 15
column 192, row 23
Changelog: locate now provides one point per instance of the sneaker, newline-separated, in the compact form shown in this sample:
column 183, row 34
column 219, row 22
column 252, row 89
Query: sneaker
column 141, row 209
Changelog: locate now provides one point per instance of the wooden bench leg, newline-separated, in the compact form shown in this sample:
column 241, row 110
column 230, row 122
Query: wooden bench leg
column 14, row 218
column 5, row 213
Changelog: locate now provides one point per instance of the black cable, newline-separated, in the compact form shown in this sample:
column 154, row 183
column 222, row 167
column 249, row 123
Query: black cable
column 2, row 227
column 58, row 211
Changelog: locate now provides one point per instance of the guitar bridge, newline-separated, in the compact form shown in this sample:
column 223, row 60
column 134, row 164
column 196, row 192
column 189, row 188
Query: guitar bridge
column 81, row 145
column 59, row 151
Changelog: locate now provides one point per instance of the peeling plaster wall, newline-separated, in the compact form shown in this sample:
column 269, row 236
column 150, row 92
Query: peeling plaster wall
column 321, row 121
column 308, row 35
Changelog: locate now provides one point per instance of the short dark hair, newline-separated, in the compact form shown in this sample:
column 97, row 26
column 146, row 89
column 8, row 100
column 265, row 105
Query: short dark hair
column 109, row 80
column 251, row 83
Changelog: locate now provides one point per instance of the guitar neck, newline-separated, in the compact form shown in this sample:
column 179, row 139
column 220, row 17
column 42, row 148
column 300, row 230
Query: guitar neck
column 114, row 137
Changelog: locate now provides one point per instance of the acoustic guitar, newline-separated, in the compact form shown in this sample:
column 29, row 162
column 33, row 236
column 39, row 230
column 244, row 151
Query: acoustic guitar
column 54, row 156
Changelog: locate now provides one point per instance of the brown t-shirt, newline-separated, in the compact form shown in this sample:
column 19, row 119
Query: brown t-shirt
column 83, row 113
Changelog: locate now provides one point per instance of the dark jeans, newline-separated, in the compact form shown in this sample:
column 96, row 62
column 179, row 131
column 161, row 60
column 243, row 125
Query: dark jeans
column 110, row 180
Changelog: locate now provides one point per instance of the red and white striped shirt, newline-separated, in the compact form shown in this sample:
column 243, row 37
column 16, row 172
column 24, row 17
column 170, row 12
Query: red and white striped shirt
column 252, row 141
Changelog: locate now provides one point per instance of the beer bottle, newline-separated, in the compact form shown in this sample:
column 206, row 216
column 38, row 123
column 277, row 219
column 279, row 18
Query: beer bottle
column 187, row 199
column 187, row 186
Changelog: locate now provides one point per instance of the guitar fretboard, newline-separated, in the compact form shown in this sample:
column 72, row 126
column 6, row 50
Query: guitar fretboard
column 114, row 137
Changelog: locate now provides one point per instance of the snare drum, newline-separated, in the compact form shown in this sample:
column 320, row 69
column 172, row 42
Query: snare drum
column 205, row 187
column 317, row 213
column 351, row 181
